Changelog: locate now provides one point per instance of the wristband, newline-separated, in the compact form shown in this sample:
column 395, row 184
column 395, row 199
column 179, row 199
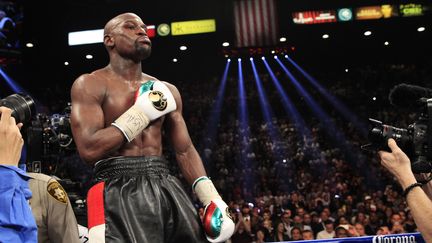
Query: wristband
column 132, row 122
column 205, row 190
column 410, row 187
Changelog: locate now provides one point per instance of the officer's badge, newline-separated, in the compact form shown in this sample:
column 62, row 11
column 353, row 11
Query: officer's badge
column 158, row 100
column 57, row 192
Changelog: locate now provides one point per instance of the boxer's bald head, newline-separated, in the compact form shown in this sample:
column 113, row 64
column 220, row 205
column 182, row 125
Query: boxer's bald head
column 115, row 22
column 126, row 35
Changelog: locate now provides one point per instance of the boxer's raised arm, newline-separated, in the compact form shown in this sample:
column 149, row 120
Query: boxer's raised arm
column 92, row 139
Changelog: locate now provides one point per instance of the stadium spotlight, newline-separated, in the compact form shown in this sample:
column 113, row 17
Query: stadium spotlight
column 325, row 36
column 286, row 56
column 263, row 58
column 346, row 70
column 239, row 59
column 367, row 33
column 175, row 60
column 183, row 48
column 282, row 39
column 251, row 58
column 275, row 57
column 386, row 43
column 29, row 45
column 66, row 63
column 225, row 44
column 421, row 29
column 229, row 59
column 88, row 56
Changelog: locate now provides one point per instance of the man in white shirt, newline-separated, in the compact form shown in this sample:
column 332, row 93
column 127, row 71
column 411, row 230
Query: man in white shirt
column 328, row 232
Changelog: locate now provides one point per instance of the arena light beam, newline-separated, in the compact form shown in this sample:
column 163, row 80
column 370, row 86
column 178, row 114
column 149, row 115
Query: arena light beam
column 215, row 113
column 342, row 108
column 328, row 125
column 268, row 114
column 287, row 104
column 242, row 109
column 244, row 132
column 16, row 88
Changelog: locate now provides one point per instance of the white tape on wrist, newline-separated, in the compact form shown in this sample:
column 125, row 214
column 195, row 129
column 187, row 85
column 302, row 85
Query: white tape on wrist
column 131, row 123
column 205, row 190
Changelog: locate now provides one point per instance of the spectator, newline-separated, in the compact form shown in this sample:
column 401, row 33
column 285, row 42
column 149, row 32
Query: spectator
column 296, row 233
column 241, row 233
column 341, row 232
column 308, row 235
column 268, row 230
column 286, row 221
column 316, row 224
column 410, row 225
column 383, row 230
column 260, row 236
column 279, row 235
column 360, row 229
column 328, row 231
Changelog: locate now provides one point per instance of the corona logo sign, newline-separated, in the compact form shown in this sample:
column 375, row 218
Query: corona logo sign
column 394, row 239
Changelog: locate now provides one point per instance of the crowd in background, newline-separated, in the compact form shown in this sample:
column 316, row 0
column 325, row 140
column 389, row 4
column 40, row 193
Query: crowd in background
column 312, row 183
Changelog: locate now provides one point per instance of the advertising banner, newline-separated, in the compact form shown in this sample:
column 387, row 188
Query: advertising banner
column 314, row 17
column 411, row 9
column 193, row 27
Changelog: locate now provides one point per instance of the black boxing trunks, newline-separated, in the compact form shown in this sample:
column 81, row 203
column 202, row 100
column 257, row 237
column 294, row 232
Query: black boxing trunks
column 135, row 199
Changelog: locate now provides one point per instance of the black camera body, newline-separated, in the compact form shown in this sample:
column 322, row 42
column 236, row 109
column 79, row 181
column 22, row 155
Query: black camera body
column 415, row 140
column 48, row 137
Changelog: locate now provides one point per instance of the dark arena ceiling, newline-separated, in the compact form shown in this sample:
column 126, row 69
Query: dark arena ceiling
column 46, row 25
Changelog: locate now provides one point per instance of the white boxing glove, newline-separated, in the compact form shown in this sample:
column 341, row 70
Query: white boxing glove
column 152, row 100
column 217, row 221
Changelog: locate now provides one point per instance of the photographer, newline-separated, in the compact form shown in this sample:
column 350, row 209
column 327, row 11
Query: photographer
column 398, row 163
column 16, row 219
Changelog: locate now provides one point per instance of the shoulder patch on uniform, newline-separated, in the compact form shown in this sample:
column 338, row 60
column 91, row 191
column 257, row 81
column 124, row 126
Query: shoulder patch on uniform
column 57, row 192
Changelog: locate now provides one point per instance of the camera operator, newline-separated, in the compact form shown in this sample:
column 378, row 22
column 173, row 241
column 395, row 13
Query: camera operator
column 398, row 163
column 16, row 219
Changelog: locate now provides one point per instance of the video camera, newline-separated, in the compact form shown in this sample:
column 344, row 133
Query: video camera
column 48, row 136
column 416, row 139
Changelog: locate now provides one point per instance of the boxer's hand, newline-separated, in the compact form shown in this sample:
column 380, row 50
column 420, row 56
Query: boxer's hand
column 217, row 221
column 11, row 141
column 152, row 100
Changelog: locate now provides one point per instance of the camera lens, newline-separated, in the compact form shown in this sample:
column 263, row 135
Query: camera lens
column 376, row 135
column 22, row 106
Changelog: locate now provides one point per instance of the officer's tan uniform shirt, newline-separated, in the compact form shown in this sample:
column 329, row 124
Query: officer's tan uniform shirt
column 52, row 210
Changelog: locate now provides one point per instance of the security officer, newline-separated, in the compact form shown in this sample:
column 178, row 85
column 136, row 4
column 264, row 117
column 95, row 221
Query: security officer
column 52, row 210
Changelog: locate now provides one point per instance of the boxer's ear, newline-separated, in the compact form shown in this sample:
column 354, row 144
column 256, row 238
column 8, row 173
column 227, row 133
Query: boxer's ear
column 108, row 40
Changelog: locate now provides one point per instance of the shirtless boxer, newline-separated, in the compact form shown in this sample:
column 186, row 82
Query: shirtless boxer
column 118, row 113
